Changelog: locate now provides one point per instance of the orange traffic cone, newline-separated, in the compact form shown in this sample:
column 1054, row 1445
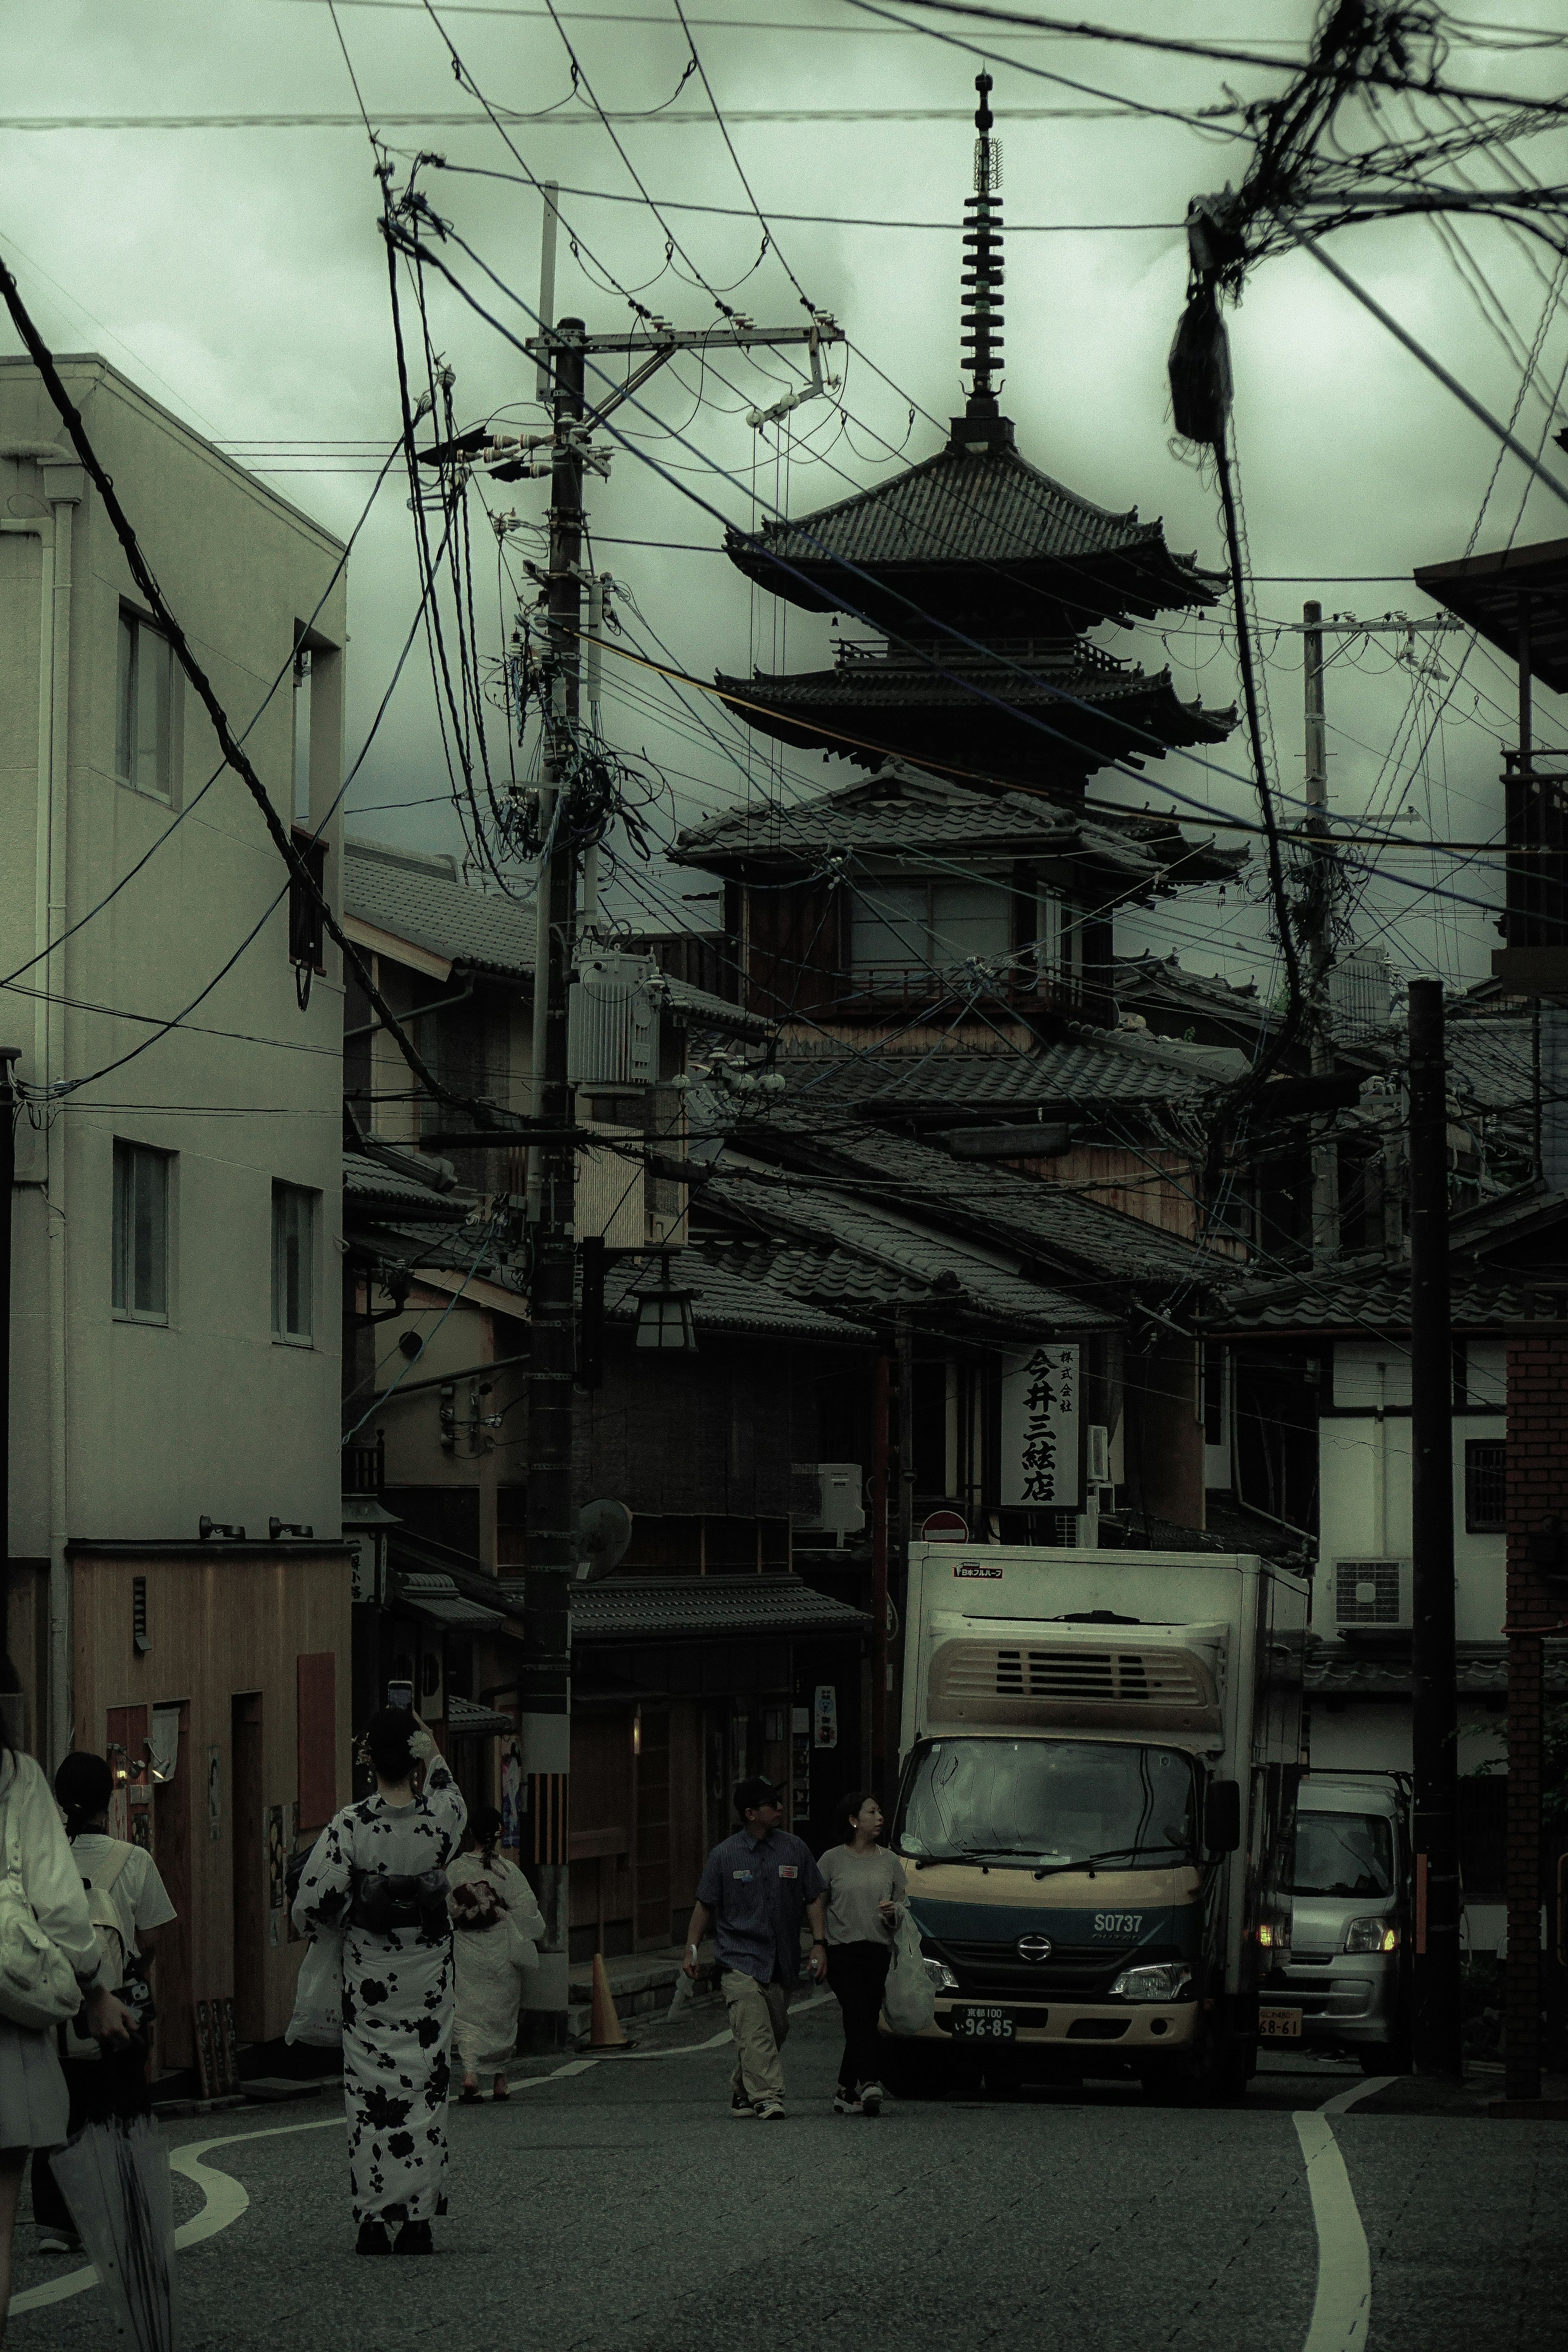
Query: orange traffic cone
column 607, row 2032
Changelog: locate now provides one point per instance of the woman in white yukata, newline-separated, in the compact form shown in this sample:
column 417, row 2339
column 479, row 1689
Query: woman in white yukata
column 498, row 1925
column 378, row 1878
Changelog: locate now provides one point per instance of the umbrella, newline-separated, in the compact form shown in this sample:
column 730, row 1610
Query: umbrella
column 114, row 2176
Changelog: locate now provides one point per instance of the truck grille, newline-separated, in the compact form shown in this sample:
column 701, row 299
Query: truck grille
column 1086, row 1969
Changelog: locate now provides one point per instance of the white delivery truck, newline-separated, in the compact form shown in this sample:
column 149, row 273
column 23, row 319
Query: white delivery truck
column 1100, row 1753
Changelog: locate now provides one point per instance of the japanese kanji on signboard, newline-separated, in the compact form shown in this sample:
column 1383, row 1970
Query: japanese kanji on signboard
column 1040, row 1428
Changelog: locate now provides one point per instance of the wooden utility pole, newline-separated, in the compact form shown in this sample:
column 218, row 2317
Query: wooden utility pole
column 550, row 1551
column 550, row 1540
column 1320, row 937
column 1434, row 1708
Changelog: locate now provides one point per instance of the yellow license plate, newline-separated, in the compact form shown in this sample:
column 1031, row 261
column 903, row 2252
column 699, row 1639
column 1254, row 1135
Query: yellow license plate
column 1279, row 2024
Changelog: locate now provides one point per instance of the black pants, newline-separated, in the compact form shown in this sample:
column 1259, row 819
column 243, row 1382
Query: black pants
column 857, row 1973
column 115, row 2084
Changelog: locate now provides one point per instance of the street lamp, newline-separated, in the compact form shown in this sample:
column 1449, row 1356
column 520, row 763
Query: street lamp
column 664, row 1314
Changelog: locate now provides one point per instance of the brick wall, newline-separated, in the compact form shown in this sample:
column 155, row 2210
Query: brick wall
column 1537, row 1492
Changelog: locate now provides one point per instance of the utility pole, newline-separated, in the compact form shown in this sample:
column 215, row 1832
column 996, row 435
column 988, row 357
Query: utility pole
column 1321, row 936
column 1434, row 1711
column 550, row 1542
column 550, row 1551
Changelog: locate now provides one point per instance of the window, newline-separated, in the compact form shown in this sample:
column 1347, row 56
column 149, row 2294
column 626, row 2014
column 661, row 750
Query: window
column 144, row 733
column 916, row 930
column 305, row 932
column 293, row 1216
column 1486, row 1486
column 141, row 1233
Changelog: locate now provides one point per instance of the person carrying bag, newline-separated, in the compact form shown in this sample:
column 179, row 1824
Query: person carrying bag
column 125, row 1898
column 866, row 1897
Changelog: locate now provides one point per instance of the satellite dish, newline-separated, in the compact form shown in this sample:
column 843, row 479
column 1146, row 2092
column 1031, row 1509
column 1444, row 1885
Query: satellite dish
column 603, row 1531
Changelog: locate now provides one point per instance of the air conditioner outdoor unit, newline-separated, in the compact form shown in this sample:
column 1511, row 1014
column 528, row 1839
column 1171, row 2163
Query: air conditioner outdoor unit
column 837, row 1508
column 1099, row 1472
column 612, row 1022
column 1372, row 1596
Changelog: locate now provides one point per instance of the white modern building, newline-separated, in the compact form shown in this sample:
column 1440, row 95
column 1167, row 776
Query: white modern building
column 177, row 1026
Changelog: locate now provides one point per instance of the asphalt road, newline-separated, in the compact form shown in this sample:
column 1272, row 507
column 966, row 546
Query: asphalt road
column 617, row 2208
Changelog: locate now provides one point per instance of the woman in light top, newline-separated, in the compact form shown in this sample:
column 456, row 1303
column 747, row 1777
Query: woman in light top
column 497, row 1923
column 865, row 1896
column 34, row 2101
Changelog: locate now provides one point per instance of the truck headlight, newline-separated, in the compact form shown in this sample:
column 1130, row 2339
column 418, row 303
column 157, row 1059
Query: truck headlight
column 1166, row 1980
column 1373, row 1935
column 941, row 1975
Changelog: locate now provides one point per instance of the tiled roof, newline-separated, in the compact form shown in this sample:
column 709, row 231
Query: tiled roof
column 855, row 1256
column 422, row 898
column 1077, row 1075
column 1090, row 715
column 1480, row 1670
column 1027, row 1216
column 648, row 1608
column 466, row 1715
column 903, row 813
column 1366, row 1295
column 989, row 510
column 730, row 1298
column 431, row 1594
column 373, row 1184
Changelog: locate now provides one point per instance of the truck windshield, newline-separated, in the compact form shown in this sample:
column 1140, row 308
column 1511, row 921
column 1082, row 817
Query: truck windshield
column 1048, row 1802
column 1344, row 1854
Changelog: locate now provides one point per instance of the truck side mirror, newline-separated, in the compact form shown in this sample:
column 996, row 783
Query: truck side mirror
column 1222, row 1816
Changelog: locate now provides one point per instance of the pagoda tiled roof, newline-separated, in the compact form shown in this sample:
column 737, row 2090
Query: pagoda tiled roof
column 972, row 511
column 903, row 812
column 1049, row 714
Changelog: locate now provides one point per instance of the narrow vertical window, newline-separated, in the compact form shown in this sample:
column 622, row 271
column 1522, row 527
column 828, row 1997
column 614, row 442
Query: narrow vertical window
column 140, row 1238
column 293, row 1215
column 143, row 735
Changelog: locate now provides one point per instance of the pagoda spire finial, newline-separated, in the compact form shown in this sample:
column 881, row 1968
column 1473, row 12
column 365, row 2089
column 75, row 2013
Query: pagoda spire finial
column 982, row 313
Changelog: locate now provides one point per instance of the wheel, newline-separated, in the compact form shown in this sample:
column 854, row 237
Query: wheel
column 1211, row 2072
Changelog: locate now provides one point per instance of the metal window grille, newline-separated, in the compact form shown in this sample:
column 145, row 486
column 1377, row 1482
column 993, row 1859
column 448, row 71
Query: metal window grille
column 1486, row 1486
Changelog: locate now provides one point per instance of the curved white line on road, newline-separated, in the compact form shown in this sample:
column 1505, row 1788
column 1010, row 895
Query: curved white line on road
column 1342, row 2308
column 227, row 2199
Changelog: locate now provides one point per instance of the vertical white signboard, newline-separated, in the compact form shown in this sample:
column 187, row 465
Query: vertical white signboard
column 1039, row 1428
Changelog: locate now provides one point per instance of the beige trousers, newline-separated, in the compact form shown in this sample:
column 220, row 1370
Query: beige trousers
column 759, row 2021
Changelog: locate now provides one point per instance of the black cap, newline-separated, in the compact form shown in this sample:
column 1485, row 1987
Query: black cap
column 755, row 1791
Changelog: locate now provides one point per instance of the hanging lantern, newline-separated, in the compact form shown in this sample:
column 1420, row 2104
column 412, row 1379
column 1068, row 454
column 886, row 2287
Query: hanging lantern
column 664, row 1314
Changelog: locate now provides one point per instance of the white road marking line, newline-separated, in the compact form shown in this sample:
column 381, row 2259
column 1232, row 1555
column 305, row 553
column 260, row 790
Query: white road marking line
column 227, row 2199
column 1342, row 2308
column 1343, row 2099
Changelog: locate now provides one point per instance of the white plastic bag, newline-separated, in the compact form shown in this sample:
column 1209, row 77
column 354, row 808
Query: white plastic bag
column 37, row 1983
column 908, row 2003
column 318, row 2019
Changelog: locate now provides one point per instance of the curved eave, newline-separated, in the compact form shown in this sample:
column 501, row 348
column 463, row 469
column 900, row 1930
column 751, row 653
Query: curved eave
column 1022, row 732
column 1136, row 583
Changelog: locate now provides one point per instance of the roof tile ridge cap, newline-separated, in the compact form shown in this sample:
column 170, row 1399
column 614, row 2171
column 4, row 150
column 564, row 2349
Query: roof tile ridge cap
column 1127, row 516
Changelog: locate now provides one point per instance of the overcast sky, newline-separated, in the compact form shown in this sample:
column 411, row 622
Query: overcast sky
column 237, row 273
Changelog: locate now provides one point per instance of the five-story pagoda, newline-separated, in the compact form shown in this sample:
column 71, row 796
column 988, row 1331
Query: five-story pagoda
column 981, row 577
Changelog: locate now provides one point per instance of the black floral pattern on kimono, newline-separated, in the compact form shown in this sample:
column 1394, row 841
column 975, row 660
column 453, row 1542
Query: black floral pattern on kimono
column 398, row 1998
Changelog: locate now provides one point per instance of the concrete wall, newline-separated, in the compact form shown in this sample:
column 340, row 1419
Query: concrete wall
column 135, row 1430
column 1365, row 1464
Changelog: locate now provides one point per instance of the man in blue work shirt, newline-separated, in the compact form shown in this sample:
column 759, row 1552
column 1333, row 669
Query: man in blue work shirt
column 754, row 1890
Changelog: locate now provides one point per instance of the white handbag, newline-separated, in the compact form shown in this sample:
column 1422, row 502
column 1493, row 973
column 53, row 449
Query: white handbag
column 318, row 2019
column 910, row 2001
column 37, row 1983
